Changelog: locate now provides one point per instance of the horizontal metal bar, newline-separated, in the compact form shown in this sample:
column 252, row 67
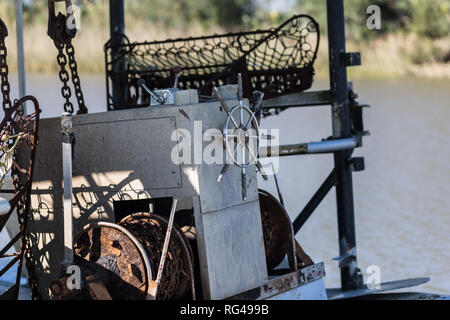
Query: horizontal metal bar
column 332, row 145
column 316, row 199
column 299, row 99
column 9, row 255
column 7, row 191
column 326, row 146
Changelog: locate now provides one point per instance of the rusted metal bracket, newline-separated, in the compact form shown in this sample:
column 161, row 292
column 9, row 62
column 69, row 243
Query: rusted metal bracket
column 283, row 283
column 57, row 23
column 350, row 59
column 357, row 164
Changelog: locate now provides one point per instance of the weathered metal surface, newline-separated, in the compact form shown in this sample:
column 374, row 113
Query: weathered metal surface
column 351, row 59
column 127, row 155
column 231, row 250
column 314, row 290
column 120, row 253
column 278, row 233
column 125, row 261
column 177, row 275
column 165, row 249
column 283, row 283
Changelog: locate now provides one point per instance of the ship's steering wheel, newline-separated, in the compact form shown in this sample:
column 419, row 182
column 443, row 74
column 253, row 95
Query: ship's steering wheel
column 242, row 135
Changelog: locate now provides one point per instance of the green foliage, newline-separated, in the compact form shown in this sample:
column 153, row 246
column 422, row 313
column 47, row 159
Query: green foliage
column 175, row 14
column 427, row 22
column 431, row 19
column 395, row 17
column 426, row 18
column 423, row 52
column 227, row 14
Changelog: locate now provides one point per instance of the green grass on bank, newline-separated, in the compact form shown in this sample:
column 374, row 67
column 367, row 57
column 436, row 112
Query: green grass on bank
column 397, row 52
column 391, row 56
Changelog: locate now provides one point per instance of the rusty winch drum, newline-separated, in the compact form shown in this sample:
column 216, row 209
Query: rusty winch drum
column 125, row 258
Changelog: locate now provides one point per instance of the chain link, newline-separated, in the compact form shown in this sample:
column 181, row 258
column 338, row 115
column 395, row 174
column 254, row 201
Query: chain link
column 4, row 70
column 70, row 50
column 22, row 215
column 66, row 57
column 66, row 92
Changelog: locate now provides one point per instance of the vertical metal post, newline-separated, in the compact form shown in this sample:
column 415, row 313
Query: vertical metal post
column 350, row 275
column 67, row 140
column 116, row 25
column 20, row 50
column 116, row 16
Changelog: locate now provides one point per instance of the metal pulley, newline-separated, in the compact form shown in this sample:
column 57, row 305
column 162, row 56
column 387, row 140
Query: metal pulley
column 111, row 257
column 121, row 261
column 279, row 239
column 58, row 29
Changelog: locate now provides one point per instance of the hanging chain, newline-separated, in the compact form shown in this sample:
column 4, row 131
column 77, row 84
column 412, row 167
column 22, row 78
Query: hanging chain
column 64, row 77
column 70, row 50
column 5, row 87
column 22, row 216
column 66, row 92
column 62, row 38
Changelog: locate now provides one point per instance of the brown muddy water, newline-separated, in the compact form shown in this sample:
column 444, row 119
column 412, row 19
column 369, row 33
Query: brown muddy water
column 402, row 199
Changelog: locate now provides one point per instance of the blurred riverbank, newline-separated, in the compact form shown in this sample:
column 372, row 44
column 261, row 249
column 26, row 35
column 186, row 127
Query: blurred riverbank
column 408, row 46
column 394, row 56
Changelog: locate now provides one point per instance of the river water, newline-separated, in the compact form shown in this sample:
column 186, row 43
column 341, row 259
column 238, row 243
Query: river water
column 402, row 204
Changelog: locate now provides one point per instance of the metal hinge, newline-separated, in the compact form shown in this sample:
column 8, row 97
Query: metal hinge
column 350, row 59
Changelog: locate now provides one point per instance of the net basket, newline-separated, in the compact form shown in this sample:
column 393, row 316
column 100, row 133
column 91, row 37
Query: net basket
column 275, row 61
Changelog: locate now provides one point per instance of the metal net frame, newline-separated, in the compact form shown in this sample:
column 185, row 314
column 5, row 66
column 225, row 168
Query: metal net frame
column 19, row 131
column 275, row 61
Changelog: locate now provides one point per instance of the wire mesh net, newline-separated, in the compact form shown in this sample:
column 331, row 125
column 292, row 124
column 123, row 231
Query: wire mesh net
column 275, row 61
